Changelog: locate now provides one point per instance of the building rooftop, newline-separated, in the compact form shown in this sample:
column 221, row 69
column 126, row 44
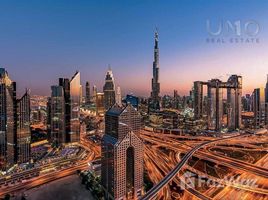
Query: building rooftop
column 115, row 110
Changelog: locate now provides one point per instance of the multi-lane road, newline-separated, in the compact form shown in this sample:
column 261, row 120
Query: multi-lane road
column 35, row 178
column 156, row 143
column 153, row 192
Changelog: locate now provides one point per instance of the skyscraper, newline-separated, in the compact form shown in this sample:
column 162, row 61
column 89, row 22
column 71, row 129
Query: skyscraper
column 15, row 136
column 72, row 99
column 7, row 119
column 109, row 90
column 87, row 93
column 133, row 100
column 259, row 107
column 122, row 154
column 65, row 84
column 198, row 100
column 100, row 104
column 214, row 102
column 215, row 110
column 234, row 102
column 57, row 124
column 118, row 96
column 23, row 129
column 75, row 96
column 95, row 91
column 49, row 119
column 266, row 102
column 155, row 98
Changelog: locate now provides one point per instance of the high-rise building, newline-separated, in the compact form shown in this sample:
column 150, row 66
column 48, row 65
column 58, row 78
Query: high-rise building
column 81, row 95
column 154, row 103
column 15, row 136
column 109, row 90
column 72, row 99
column 259, row 107
column 95, row 91
column 175, row 94
column 122, row 154
column 215, row 110
column 198, row 100
column 7, row 119
column 23, row 129
column 234, row 102
column 266, row 102
column 100, row 104
column 87, row 100
column 57, row 124
column 75, row 97
column 214, row 103
column 49, row 119
column 133, row 100
column 118, row 96
column 246, row 103
column 65, row 84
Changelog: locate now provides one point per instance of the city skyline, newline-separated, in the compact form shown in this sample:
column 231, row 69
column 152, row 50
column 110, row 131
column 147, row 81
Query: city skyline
column 64, row 46
column 128, row 100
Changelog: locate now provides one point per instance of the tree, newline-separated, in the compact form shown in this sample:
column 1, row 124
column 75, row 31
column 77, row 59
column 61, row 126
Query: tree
column 23, row 198
column 84, row 179
column 7, row 197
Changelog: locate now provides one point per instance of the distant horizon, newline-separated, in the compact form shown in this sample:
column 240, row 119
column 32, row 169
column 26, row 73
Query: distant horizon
column 20, row 90
column 43, row 41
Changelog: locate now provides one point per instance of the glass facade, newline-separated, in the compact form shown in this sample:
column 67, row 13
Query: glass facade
column 259, row 107
column 58, row 136
column 23, row 129
column 15, row 135
column 75, row 99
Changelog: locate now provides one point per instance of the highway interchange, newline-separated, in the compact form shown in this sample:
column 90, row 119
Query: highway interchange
column 169, row 158
column 241, row 176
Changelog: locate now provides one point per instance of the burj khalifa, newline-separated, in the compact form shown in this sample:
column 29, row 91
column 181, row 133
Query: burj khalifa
column 155, row 98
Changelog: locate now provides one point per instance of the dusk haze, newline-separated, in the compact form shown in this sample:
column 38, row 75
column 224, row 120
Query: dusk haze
column 134, row 100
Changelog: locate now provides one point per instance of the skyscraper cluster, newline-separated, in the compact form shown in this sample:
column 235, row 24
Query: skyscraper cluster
column 260, row 106
column 15, row 135
column 64, row 110
column 256, row 103
column 214, row 110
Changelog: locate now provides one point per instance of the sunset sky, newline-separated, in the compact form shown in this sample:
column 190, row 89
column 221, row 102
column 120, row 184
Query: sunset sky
column 41, row 41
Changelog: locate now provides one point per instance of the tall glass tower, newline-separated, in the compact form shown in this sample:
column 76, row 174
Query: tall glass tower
column 57, row 124
column 75, row 97
column 23, row 129
column 15, row 136
column 109, row 90
column 7, row 120
column 71, row 97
